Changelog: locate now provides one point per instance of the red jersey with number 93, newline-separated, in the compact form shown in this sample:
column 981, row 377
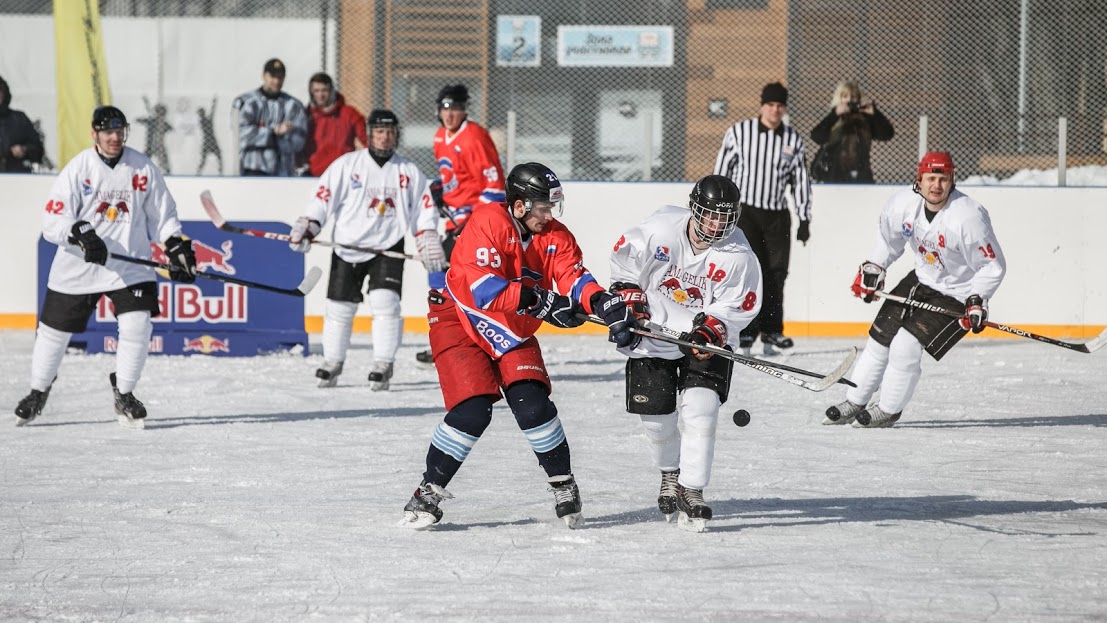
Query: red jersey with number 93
column 492, row 262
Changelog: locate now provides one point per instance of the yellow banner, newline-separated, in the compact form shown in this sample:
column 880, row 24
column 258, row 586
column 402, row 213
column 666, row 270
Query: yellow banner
column 82, row 73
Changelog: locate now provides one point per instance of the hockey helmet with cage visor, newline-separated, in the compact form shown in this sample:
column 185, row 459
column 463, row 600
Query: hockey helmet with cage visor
column 107, row 118
column 383, row 119
column 538, row 188
column 715, row 206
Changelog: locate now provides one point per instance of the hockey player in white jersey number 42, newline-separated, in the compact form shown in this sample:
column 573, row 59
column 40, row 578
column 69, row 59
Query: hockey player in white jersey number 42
column 958, row 265
column 691, row 271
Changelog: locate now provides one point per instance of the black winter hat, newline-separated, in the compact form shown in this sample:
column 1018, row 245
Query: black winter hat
column 774, row 92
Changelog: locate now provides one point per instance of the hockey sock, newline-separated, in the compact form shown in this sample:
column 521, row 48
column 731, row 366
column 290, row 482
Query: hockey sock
column 867, row 373
column 388, row 326
column 902, row 375
column 135, row 329
column 537, row 418
column 699, row 413
column 664, row 438
column 46, row 358
column 455, row 437
column 338, row 322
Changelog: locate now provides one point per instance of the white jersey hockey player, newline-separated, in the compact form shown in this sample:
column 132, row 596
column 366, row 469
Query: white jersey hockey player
column 108, row 199
column 693, row 272
column 958, row 265
column 374, row 197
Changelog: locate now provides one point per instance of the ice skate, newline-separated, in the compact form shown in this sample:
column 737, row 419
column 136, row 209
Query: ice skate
column 129, row 411
column 31, row 406
column 667, row 499
column 425, row 357
column 745, row 344
column 380, row 377
column 567, row 500
column 693, row 512
column 875, row 417
column 422, row 510
column 774, row 341
column 842, row 413
column 328, row 374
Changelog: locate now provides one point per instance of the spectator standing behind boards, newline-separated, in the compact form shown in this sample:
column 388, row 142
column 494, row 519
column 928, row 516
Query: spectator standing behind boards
column 763, row 156
column 20, row 144
column 846, row 136
column 208, row 143
column 334, row 127
column 272, row 126
column 157, row 126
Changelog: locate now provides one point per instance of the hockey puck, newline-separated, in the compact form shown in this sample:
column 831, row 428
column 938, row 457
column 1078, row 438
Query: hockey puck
column 741, row 417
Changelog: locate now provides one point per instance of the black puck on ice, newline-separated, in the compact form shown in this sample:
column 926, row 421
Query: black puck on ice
column 741, row 417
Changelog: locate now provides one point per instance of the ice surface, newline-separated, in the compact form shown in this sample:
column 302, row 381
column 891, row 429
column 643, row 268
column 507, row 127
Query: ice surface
column 252, row 495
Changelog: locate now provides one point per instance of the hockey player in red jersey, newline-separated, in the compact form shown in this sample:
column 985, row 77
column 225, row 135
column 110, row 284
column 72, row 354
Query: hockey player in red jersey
column 499, row 289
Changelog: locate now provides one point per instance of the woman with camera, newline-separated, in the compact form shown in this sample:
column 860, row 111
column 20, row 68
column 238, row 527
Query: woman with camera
column 845, row 138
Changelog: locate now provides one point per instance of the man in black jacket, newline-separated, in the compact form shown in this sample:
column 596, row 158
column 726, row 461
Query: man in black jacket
column 20, row 144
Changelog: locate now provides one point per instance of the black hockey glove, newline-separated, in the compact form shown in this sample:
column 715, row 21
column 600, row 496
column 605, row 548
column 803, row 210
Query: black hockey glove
column 803, row 232
column 84, row 236
column 618, row 317
column 182, row 259
column 436, row 195
column 556, row 309
column 635, row 298
column 706, row 330
column 976, row 314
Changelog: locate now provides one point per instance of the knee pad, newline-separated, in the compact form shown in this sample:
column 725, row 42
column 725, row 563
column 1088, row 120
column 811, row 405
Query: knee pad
column 136, row 326
column 536, row 415
column 384, row 303
column 699, row 410
column 462, row 427
column 660, row 429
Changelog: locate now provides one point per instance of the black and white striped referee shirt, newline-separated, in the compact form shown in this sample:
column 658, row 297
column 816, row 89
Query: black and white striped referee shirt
column 762, row 162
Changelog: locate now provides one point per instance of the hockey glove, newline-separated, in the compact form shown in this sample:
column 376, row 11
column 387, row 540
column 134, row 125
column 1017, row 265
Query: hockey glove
column 635, row 299
column 303, row 232
column 436, row 195
column 976, row 314
column 182, row 259
column 706, row 330
column 84, row 236
column 803, row 232
column 618, row 317
column 430, row 251
column 556, row 309
column 870, row 278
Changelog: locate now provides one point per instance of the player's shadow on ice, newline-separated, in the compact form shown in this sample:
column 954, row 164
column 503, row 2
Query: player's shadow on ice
column 1021, row 422
column 305, row 416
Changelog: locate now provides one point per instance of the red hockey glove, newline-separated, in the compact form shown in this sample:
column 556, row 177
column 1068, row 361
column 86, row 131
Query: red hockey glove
column 707, row 330
column 870, row 278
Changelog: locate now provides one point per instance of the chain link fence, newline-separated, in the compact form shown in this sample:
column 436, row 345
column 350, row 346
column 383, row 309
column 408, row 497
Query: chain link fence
column 600, row 93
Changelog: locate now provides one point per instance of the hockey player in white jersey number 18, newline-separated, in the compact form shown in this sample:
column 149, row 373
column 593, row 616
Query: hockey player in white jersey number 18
column 694, row 272
column 373, row 196
column 108, row 199
column 958, row 265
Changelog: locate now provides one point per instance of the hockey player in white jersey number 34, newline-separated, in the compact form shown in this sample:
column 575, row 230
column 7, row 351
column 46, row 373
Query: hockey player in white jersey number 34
column 108, row 199
column 692, row 272
column 958, row 265
column 373, row 196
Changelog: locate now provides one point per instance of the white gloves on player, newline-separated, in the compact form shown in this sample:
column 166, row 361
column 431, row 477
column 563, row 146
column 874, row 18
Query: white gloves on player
column 431, row 252
column 303, row 232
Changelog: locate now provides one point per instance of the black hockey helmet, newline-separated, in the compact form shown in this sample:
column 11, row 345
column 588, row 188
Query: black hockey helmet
column 453, row 96
column 715, row 206
column 109, row 118
column 534, row 182
column 382, row 118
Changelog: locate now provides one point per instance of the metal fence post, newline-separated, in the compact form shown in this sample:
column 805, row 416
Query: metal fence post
column 1062, row 149
column 923, row 123
column 510, row 140
column 647, row 150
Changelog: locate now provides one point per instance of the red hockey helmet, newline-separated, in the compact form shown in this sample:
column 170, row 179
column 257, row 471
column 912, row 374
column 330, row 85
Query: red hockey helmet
column 936, row 162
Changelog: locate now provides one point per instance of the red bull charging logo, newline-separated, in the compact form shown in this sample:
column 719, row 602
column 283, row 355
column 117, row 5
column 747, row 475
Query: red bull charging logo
column 207, row 257
column 206, row 345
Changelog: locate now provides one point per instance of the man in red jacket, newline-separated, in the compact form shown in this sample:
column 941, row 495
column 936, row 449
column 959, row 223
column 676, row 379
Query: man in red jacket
column 333, row 125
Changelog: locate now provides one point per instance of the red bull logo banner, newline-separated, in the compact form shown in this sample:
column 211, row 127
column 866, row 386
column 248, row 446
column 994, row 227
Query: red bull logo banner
column 211, row 317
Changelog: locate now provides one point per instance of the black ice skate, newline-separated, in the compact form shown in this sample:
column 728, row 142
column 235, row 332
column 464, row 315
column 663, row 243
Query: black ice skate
column 567, row 500
column 422, row 509
column 130, row 412
column 772, row 341
column 31, row 406
column 875, row 417
column 667, row 499
column 425, row 356
column 328, row 374
column 842, row 413
column 381, row 376
column 693, row 512
column 745, row 343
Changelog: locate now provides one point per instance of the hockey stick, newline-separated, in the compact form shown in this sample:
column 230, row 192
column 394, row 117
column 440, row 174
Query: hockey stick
column 779, row 371
column 310, row 279
column 219, row 221
column 1090, row 346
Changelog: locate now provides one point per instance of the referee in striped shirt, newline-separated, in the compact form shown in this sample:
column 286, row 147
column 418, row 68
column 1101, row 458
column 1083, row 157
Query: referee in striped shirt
column 763, row 155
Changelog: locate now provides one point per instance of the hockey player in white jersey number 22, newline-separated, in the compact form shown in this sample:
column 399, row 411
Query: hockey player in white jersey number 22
column 108, row 199
column 958, row 265
column 373, row 196
column 694, row 272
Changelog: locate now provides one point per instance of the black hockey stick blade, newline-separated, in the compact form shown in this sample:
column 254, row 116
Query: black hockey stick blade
column 1090, row 346
column 221, row 222
column 309, row 281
